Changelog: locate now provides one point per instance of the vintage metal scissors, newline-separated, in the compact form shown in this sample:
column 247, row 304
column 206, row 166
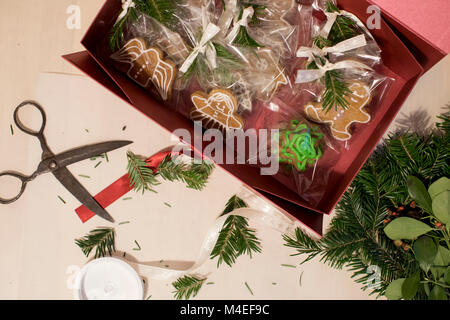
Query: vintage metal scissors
column 56, row 164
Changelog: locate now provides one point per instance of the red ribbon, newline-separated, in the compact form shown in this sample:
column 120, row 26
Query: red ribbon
column 120, row 187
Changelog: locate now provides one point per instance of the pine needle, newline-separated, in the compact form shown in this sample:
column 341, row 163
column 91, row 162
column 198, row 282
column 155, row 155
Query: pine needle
column 102, row 240
column 249, row 289
column 62, row 200
column 12, row 129
column 138, row 246
column 336, row 89
column 187, row 286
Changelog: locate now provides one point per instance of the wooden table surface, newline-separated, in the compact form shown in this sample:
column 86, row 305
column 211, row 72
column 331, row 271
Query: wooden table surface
column 34, row 35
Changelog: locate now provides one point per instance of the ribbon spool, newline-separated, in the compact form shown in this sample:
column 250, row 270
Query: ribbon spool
column 111, row 278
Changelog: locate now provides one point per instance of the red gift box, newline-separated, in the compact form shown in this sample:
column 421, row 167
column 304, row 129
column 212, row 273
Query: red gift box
column 399, row 63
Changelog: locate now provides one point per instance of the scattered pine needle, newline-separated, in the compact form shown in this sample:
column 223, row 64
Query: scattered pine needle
column 300, row 280
column 124, row 128
column 148, row 298
column 62, row 200
column 125, row 222
column 138, row 248
column 12, row 129
column 128, row 198
column 209, row 283
column 97, row 164
column 168, row 204
column 106, row 157
column 84, row 176
column 288, row 266
column 274, row 283
column 86, row 130
column 248, row 287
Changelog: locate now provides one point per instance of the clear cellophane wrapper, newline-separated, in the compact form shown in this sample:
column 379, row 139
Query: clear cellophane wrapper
column 305, row 151
column 367, row 87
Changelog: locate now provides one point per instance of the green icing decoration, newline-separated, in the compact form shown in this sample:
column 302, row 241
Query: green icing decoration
column 300, row 145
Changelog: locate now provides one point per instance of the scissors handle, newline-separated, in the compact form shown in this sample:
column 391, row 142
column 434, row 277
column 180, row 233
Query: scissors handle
column 22, row 127
column 23, row 179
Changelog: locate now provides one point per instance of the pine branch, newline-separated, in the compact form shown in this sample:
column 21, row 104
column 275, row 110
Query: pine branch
column 336, row 89
column 344, row 27
column 161, row 10
column 187, row 286
column 116, row 34
column 245, row 40
column 195, row 176
column 142, row 178
column 103, row 240
column 235, row 238
column 234, row 203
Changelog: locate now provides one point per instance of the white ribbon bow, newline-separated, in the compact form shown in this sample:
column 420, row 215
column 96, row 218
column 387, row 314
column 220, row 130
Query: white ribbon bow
column 346, row 45
column 227, row 16
column 243, row 22
column 304, row 76
column 126, row 5
column 208, row 34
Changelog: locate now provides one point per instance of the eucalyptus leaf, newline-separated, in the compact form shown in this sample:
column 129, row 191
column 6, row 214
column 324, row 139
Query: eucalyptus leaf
column 441, row 207
column 410, row 286
column 441, row 185
column 394, row 289
column 437, row 293
column 405, row 228
column 425, row 250
column 419, row 193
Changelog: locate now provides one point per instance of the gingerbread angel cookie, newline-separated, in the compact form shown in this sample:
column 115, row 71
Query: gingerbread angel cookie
column 340, row 120
column 147, row 66
column 216, row 110
column 265, row 74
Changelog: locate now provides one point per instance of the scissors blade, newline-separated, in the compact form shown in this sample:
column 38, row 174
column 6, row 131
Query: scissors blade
column 75, row 155
column 78, row 191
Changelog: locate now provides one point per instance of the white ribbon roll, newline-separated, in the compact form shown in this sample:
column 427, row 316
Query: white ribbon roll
column 346, row 45
column 126, row 5
column 272, row 219
column 243, row 22
column 304, row 76
column 208, row 34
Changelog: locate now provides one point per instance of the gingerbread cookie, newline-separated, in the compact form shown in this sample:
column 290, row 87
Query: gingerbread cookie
column 265, row 74
column 341, row 119
column 300, row 145
column 216, row 110
column 147, row 66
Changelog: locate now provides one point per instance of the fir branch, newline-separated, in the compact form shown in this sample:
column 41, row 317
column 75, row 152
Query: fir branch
column 116, row 34
column 223, row 53
column 234, row 203
column 142, row 178
column 235, row 238
column 243, row 38
column 355, row 239
column 187, row 286
column 103, row 240
column 161, row 10
column 336, row 89
column 344, row 27
column 194, row 175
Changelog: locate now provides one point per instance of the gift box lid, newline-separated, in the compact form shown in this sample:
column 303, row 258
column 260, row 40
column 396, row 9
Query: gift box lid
column 422, row 25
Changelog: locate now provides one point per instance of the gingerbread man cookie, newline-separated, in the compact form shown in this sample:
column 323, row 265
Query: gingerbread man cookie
column 216, row 110
column 147, row 66
column 341, row 119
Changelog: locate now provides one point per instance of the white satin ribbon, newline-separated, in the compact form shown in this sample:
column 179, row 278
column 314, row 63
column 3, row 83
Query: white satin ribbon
column 243, row 22
column 272, row 219
column 208, row 34
column 331, row 19
column 126, row 5
column 346, row 45
column 304, row 76
column 227, row 16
